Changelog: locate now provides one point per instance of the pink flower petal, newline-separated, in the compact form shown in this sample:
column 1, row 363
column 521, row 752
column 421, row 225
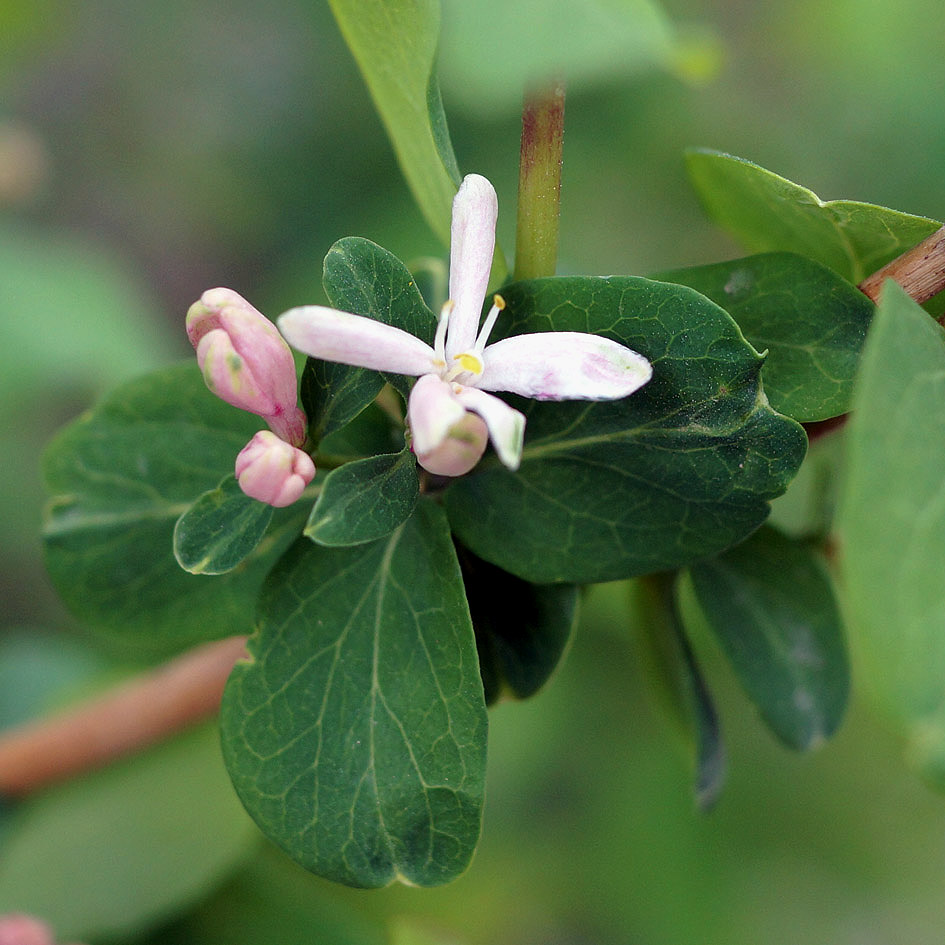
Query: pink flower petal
column 563, row 365
column 431, row 411
column 472, row 242
column 337, row 336
column 505, row 424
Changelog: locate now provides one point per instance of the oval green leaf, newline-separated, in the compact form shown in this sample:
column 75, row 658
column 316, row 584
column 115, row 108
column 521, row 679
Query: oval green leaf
column 678, row 471
column 120, row 477
column 770, row 603
column 365, row 500
column 220, row 530
column 810, row 321
column 767, row 212
column 892, row 523
column 356, row 733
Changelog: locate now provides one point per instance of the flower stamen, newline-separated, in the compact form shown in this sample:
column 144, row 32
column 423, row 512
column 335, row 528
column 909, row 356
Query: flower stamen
column 439, row 341
column 498, row 304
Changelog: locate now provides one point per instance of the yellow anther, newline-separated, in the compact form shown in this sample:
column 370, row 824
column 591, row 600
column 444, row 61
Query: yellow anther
column 498, row 302
column 469, row 362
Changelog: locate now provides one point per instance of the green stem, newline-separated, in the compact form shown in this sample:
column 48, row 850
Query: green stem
column 539, row 182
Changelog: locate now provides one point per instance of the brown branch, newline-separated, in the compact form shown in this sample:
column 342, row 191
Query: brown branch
column 920, row 270
column 137, row 713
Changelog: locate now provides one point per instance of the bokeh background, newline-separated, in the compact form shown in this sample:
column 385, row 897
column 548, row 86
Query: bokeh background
column 150, row 151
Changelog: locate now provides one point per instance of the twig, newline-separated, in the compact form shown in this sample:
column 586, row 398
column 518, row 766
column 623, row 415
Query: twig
column 137, row 713
column 920, row 270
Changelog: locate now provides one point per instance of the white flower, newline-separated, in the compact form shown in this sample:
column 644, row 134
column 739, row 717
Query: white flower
column 460, row 368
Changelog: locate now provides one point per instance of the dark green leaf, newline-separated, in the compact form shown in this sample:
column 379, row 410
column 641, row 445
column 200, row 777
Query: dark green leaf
column 767, row 212
column 220, row 530
column 356, row 733
column 120, row 477
column 371, row 432
column 365, row 500
column 361, row 277
column 673, row 666
column 892, row 523
column 522, row 629
column 678, row 471
column 770, row 603
column 811, row 322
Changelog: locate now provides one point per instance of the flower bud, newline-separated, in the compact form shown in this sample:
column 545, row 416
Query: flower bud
column 273, row 471
column 19, row 929
column 460, row 450
column 245, row 361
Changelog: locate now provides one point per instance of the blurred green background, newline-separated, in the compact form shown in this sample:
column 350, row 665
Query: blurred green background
column 149, row 152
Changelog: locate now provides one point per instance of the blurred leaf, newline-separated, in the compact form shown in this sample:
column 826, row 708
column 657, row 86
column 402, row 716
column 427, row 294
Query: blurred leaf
column 71, row 316
column 271, row 901
column 120, row 477
column 356, row 733
column 767, row 212
column 394, row 43
column 811, row 322
column 127, row 846
column 522, row 629
column 363, row 278
column 678, row 471
column 892, row 523
column 770, row 603
column 497, row 49
column 681, row 686
column 220, row 530
column 365, row 500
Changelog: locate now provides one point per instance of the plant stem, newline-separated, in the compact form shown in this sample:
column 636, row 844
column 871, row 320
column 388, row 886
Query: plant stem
column 139, row 712
column 539, row 182
column 920, row 270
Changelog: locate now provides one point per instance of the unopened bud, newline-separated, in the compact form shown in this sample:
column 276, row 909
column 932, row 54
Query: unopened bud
column 245, row 361
column 18, row 929
column 273, row 471
column 460, row 451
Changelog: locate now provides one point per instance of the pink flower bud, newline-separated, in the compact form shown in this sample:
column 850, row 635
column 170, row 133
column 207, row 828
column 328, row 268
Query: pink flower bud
column 245, row 361
column 460, row 450
column 273, row 471
column 18, row 929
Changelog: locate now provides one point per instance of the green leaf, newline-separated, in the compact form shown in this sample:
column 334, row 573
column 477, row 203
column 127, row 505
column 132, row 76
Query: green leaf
column 361, row 277
column 767, row 212
column 124, row 848
column 770, row 603
column 678, row 471
column 356, row 733
column 394, row 43
column 365, row 500
column 811, row 322
column 220, row 530
column 674, row 668
column 120, row 477
column 892, row 523
column 522, row 629
column 605, row 42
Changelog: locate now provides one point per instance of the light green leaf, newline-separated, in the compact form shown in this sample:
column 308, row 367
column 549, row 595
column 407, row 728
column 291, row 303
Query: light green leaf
column 678, row 471
column 394, row 43
column 811, row 322
column 363, row 278
column 892, row 523
column 120, row 477
column 497, row 49
column 365, row 500
column 522, row 629
column 220, row 530
column 124, row 848
column 356, row 733
column 767, row 212
column 770, row 603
